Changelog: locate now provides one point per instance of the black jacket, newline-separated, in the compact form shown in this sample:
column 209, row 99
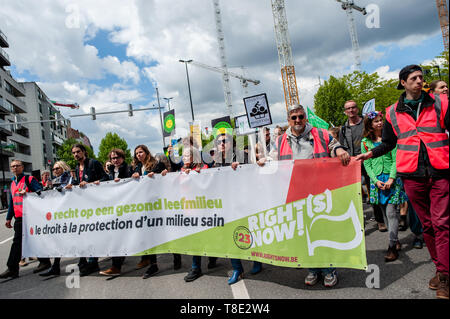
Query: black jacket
column 424, row 168
column 157, row 168
column 124, row 171
column 93, row 171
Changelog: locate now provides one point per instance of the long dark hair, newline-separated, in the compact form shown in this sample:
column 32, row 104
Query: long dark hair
column 82, row 148
column 369, row 132
column 149, row 162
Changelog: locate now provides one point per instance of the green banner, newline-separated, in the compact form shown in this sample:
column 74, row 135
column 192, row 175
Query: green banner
column 316, row 121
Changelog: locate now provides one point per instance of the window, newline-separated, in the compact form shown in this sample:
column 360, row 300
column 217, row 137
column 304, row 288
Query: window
column 40, row 108
column 43, row 135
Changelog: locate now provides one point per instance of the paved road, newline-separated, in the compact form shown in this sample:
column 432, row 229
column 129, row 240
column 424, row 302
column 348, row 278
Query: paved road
column 406, row 278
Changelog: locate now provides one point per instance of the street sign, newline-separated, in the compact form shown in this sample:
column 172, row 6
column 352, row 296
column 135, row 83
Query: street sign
column 258, row 112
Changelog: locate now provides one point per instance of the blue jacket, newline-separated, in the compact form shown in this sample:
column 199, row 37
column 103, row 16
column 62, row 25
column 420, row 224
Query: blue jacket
column 34, row 186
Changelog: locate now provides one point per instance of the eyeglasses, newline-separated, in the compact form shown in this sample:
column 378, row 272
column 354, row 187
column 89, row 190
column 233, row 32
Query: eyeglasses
column 114, row 158
column 56, row 168
column 13, row 166
column 300, row 117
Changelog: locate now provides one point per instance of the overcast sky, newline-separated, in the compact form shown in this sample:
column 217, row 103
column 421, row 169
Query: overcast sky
column 109, row 53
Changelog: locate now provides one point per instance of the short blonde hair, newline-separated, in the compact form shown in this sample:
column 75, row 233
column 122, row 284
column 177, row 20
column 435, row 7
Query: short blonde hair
column 63, row 165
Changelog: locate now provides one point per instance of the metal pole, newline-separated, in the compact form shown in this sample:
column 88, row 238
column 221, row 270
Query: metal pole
column 168, row 101
column 160, row 117
column 189, row 86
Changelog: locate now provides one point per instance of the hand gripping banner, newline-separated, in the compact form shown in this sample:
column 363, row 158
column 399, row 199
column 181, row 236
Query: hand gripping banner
column 303, row 213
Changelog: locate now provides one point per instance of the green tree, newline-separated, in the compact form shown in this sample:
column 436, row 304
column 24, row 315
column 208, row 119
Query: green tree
column 64, row 152
column 329, row 100
column 110, row 141
column 439, row 65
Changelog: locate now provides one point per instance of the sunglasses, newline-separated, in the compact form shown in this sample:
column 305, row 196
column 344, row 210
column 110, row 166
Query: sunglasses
column 223, row 141
column 56, row 168
column 300, row 117
column 114, row 158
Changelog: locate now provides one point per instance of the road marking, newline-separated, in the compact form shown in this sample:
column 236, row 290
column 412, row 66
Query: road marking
column 8, row 239
column 239, row 290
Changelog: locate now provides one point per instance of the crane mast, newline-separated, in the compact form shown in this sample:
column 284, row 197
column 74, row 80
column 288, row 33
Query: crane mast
column 285, row 53
column 443, row 20
column 243, row 79
column 348, row 6
column 222, row 56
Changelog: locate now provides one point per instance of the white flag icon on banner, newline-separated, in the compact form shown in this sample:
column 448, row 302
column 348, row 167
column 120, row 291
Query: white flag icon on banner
column 368, row 107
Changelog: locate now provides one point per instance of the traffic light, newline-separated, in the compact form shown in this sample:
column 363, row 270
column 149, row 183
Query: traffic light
column 130, row 110
column 93, row 113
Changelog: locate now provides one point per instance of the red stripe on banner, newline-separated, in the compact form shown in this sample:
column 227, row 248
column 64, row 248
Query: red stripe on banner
column 314, row 176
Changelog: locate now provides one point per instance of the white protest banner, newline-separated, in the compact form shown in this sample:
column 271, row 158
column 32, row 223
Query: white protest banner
column 306, row 213
column 368, row 107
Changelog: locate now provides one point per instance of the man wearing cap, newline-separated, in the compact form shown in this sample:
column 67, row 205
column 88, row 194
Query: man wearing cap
column 302, row 141
column 416, row 124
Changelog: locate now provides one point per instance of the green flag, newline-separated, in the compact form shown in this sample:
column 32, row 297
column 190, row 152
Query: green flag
column 169, row 123
column 316, row 121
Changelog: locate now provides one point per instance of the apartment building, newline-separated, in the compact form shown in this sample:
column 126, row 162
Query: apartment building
column 45, row 136
column 34, row 143
column 15, row 139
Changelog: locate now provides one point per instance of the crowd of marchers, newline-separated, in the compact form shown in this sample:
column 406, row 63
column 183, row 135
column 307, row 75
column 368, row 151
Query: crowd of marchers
column 405, row 177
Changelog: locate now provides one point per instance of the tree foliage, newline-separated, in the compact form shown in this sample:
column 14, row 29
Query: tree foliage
column 64, row 152
column 329, row 100
column 436, row 69
column 110, row 141
column 358, row 86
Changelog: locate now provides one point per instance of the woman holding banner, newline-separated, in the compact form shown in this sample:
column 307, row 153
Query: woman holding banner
column 117, row 169
column 63, row 178
column 145, row 164
column 192, row 162
column 386, row 189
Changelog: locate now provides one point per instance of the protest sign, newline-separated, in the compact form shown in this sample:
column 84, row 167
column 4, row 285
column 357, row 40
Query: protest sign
column 304, row 213
column 258, row 112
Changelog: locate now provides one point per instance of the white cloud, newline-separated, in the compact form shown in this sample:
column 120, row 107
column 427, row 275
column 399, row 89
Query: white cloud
column 157, row 33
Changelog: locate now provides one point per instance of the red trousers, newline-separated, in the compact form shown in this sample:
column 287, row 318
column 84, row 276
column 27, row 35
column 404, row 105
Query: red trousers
column 430, row 200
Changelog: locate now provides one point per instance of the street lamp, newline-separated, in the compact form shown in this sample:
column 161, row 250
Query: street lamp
column 160, row 117
column 168, row 101
column 189, row 85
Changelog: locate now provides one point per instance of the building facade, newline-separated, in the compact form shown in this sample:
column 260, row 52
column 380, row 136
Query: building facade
column 46, row 137
column 15, row 139
column 34, row 143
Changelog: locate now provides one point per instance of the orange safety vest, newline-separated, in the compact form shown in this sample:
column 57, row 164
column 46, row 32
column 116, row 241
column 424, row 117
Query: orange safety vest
column 16, row 197
column 321, row 140
column 429, row 128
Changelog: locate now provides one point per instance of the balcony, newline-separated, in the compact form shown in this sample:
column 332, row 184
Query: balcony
column 5, row 150
column 14, row 104
column 14, row 88
column 6, row 107
column 57, row 140
column 5, row 129
column 4, row 58
column 3, row 40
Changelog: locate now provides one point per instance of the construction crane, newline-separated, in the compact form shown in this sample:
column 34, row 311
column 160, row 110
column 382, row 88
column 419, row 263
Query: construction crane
column 222, row 56
column 348, row 6
column 285, row 53
column 244, row 80
column 443, row 19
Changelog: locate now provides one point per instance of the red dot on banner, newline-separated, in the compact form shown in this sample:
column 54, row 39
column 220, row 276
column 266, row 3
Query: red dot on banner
column 31, row 231
column 49, row 216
